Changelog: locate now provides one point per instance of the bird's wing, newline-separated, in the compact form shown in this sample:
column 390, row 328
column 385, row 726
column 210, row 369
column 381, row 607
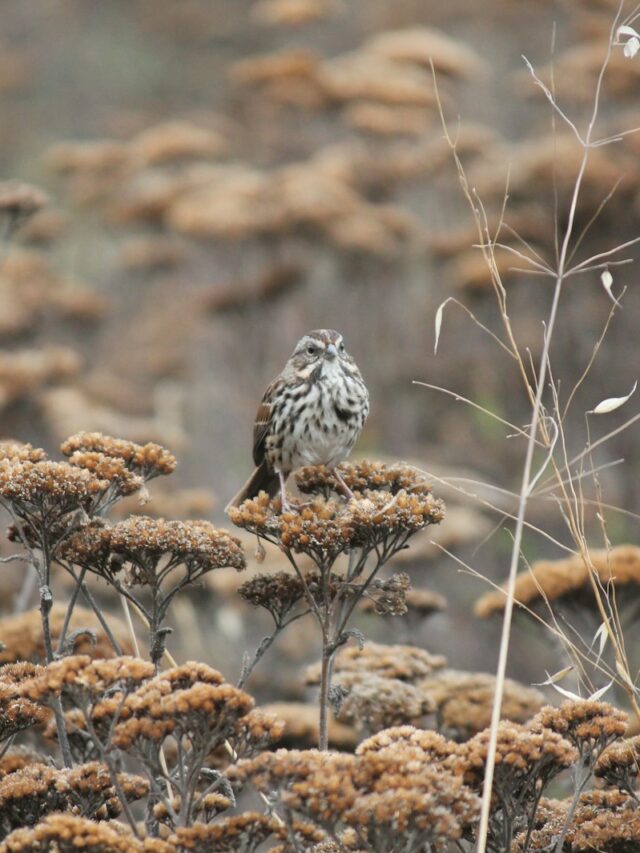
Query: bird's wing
column 261, row 425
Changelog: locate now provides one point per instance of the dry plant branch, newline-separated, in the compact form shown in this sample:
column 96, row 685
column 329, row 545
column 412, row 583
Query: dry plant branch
column 572, row 506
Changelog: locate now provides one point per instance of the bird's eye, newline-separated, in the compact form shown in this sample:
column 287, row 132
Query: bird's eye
column 341, row 348
column 311, row 349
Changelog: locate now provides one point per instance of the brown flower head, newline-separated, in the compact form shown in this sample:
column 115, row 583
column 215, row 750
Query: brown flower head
column 373, row 702
column 526, row 758
column 317, row 528
column 67, row 833
column 406, row 663
column 554, row 580
column 17, row 758
column 436, row 748
column 363, row 477
column 464, row 701
column 242, row 833
column 432, row 804
column 603, row 820
column 21, row 635
column 389, row 597
column 546, row 827
column 309, row 784
column 608, row 832
column 147, row 461
column 278, row 593
column 91, row 785
column 197, row 545
column 16, row 712
column 190, row 701
column 619, row 764
column 111, row 468
column 166, row 556
column 435, row 809
column 325, row 527
column 146, row 550
column 83, row 679
column 255, row 731
column 47, row 489
column 28, row 794
column 16, row 451
column 590, row 726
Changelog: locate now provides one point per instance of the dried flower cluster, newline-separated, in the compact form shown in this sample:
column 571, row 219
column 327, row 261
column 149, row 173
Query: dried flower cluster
column 590, row 726
column 87, row 790
column 405, row 663
column 148, row 461
column 16, row 712
column 464, row 701
column 390, row 505
column 557, row 579
column 376, row 800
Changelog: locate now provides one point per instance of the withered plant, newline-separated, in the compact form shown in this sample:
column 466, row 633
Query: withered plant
column 390, row 505
column 57, row 511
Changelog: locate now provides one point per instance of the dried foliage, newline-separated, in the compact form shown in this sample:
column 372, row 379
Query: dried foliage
column 552, row 580
column 464, row 701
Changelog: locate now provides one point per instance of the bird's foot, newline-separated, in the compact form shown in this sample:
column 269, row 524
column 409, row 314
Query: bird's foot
column 346, row 491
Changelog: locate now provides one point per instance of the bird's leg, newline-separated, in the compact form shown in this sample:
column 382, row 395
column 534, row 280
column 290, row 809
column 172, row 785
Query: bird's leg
column 283, row 493
column 345, row 489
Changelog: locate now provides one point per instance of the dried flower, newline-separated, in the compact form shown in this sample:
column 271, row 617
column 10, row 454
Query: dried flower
column 148, row 461
column 21, row 635
column 84, row 679
column 255, row 731
column 377, row 800
column 527, row 758
column 406, row 663
column 403, row 799
column 590, row 726
column 192, row 700
column 16, row 451
column 109, row 468
column 310, row 784
column 362, row 477
column 16, row 712
column 371, row 702
column 27, row 794
column 389, row 597
column 556, row 579
column 47, row 488
column 436, row 749
column 464, row 701
column 243, row 833
column 165, row 556
column 278, row 593
column 66, row 833
column 618, row 765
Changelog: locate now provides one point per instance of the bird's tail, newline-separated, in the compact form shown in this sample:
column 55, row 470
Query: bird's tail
column 263, row 479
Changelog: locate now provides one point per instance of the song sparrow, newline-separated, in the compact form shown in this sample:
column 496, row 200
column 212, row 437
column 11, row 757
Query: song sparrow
column 311, row 414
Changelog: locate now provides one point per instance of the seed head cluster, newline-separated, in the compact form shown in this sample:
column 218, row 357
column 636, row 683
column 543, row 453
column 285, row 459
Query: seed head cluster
column 147, row 461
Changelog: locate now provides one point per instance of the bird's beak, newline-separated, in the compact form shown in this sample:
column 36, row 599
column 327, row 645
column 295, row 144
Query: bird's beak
column 331, row 351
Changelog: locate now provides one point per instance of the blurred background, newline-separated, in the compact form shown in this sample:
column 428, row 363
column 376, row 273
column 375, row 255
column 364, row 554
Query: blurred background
column 225, row 175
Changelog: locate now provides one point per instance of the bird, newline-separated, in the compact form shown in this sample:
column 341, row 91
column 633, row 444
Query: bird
column 311, row 414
